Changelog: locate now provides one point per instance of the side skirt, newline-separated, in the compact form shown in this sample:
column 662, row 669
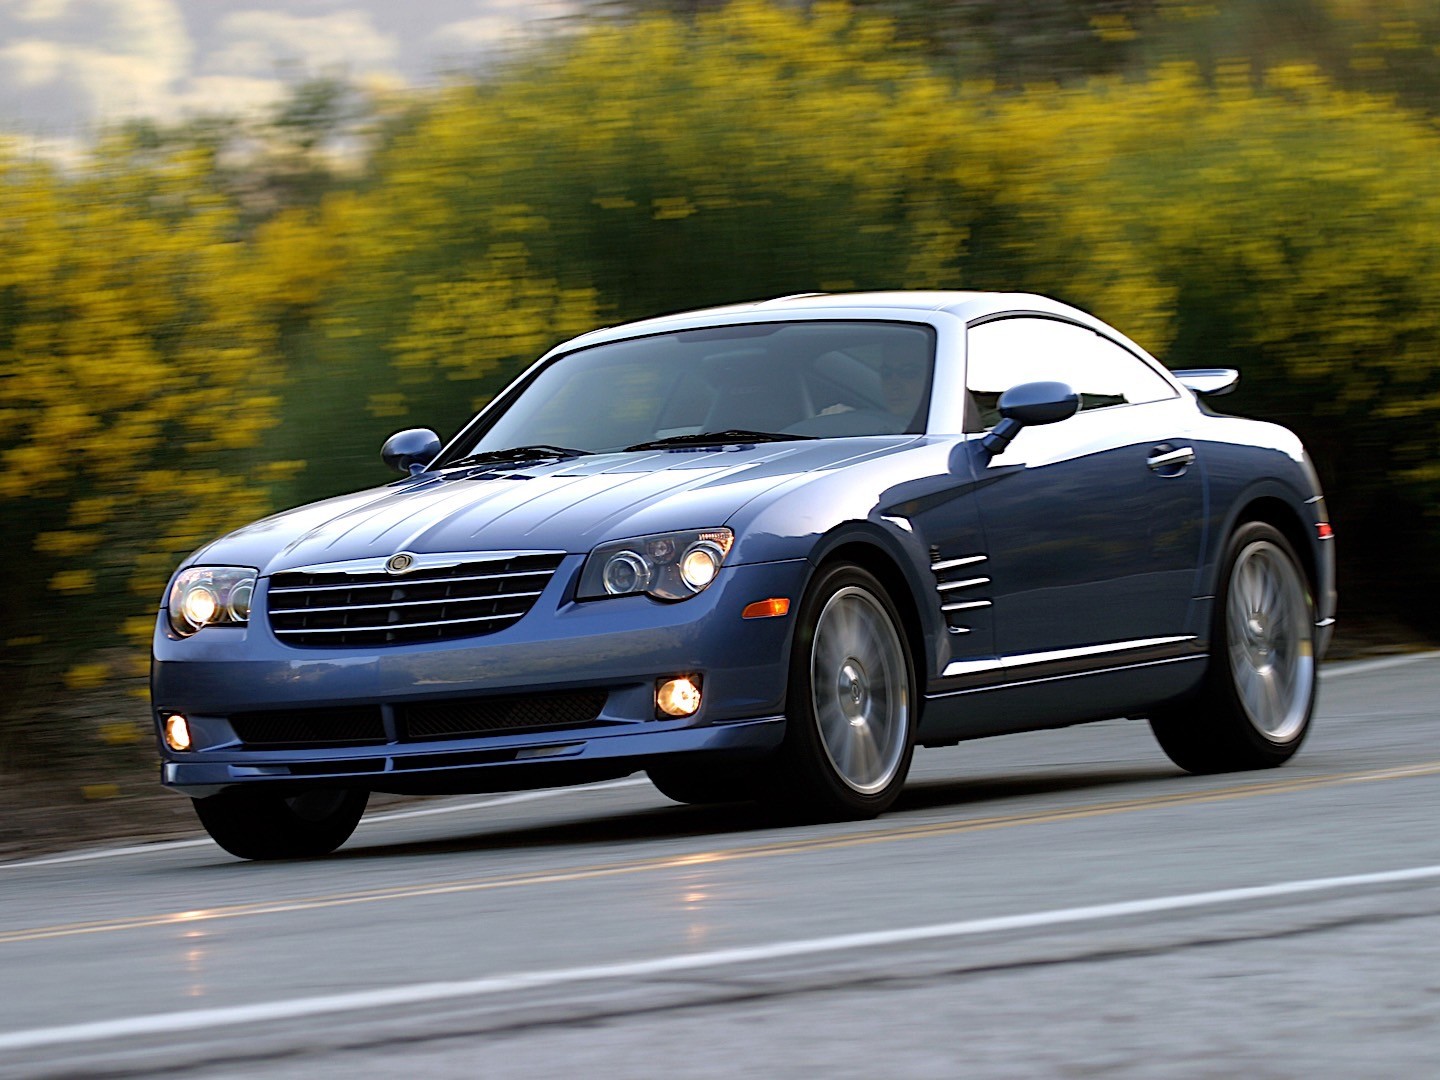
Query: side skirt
column 1060, row 689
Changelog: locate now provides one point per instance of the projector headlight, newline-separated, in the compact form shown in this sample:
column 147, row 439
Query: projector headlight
column 667, row 566
column 211, row 596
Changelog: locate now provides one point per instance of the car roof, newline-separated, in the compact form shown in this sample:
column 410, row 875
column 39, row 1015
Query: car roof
column 964, row 305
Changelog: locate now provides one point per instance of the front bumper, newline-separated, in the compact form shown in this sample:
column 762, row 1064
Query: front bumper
column 616, row 648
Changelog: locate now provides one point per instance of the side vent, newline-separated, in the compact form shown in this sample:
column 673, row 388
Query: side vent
column 960, row 585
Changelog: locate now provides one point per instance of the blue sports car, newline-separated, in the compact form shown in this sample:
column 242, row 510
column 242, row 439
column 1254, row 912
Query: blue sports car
column 761, row 552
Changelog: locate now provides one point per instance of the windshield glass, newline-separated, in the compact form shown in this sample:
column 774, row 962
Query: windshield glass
column 818, row 379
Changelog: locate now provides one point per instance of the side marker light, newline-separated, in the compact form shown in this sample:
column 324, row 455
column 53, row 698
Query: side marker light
column 767, row 609
column 1323, row 530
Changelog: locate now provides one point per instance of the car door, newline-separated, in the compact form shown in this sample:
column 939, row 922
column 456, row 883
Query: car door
column 1093, row 524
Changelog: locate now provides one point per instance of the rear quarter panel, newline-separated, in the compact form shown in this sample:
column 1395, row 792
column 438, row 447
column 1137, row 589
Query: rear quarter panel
column 1255, row 470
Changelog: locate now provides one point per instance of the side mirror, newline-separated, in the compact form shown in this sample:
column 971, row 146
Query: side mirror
column 409, row 451
column 1208, row 382
column 1027, row 405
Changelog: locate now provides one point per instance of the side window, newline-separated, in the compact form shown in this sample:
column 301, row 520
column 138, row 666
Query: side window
column 1009, row 352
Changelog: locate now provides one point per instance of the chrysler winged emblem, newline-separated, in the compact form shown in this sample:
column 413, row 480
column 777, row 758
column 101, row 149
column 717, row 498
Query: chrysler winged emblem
column 399, row 562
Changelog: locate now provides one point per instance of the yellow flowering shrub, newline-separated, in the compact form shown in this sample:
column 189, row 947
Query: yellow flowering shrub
column 138, row 373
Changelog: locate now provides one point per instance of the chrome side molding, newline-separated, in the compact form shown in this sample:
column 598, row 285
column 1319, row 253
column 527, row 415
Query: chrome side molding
column 1082, row 660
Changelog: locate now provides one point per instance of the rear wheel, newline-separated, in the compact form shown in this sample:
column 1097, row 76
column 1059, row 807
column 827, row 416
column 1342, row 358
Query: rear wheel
column 851, row 709
column 1254, row 709
column 266, row 825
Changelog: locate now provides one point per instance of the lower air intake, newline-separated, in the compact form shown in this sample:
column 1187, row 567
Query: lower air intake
column 348, row 726
column 499, row 715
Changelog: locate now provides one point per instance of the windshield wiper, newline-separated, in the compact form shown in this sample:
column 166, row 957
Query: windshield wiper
column 539, row 452
column 717, row 438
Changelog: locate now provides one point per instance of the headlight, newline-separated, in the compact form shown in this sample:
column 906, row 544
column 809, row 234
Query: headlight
column 667, row 566
column 211, row 596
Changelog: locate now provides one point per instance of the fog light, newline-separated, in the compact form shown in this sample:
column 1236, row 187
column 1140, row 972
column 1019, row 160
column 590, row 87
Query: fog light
column 678, row 697
column 177, row 732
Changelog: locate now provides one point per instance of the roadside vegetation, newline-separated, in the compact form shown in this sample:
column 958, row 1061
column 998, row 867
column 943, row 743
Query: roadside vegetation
column 203, row 323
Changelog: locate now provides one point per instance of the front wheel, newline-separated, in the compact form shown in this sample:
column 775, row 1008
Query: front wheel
column 851, row 710
column 1254, row 708
column 266, row 825
column 700, row 783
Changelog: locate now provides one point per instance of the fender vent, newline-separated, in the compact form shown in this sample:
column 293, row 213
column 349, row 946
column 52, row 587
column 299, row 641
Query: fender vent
column 960, row 584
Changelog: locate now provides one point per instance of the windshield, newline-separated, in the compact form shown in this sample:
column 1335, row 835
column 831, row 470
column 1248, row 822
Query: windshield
column 814, row 379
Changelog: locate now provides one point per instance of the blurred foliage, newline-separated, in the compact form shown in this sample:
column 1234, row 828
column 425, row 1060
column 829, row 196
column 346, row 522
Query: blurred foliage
column 137, row 346
column 1383, row 46
column 198, row 309
column 1009, row 42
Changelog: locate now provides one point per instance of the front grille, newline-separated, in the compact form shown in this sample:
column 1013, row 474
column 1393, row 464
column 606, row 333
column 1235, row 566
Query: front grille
column 359, row 725
column 481, row 596
column 499, row 715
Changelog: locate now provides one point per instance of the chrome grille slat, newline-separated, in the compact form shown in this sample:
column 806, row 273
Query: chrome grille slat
column 420, row 603
column 397, row 626
column 391, row 582
column 337, row 605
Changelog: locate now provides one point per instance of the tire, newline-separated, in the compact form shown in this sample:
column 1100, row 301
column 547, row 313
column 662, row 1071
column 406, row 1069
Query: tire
column 698, row 784
column 1254, row 708
column 264, row 825
column 851, row 706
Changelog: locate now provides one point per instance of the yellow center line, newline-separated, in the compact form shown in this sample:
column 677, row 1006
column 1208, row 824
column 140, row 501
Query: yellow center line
column 705, row 858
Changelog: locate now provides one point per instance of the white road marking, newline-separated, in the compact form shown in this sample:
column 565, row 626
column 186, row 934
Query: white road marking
column 368, row 820
column 417, row 993
column 1383, row 663
column 502, row 800
column 106, row 853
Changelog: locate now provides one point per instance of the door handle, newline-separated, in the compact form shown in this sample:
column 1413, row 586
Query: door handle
column 1163, row 458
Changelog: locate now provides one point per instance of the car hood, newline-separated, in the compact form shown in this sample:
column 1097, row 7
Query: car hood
column 567, row 506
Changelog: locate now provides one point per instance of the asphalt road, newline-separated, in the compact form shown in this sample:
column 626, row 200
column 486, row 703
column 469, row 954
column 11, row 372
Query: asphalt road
column 1056, row 904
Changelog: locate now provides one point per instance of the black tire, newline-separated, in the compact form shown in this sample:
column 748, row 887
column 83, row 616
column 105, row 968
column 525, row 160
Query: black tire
column 698, row 783
column 1253, row 710
column 265, row 825
column 851, row 707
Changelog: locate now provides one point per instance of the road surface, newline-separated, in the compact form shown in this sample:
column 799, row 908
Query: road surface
column 1057, row 904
